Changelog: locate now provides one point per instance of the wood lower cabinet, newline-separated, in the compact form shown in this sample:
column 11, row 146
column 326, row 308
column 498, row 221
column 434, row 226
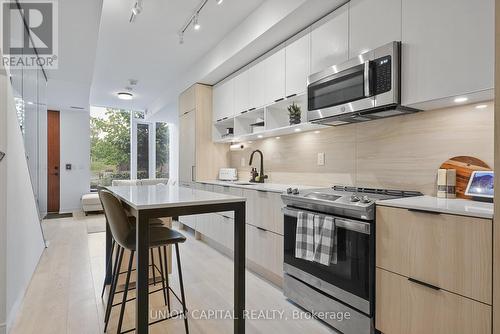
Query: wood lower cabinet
column 264, row 210
column 434, row 273
column 448, row 251
column 265, row 249
column 406, row 307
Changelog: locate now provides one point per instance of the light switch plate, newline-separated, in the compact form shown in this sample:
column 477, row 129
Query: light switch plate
column 243, row 162
column 321, row 159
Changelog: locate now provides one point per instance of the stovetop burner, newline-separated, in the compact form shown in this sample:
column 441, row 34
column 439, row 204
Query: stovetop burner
column 355, row 202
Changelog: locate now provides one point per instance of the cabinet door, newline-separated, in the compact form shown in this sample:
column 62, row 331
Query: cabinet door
column 298, row 62
column 329, row 40
column 257, row 78
column 187, row 100
column 407, row 307
column 373, row 23
column 223, row 100
column 187, row 152
column 265, row 249
column 266, row 211
column 275, row 77
column 241, row 92
column 451, row 252
column 448, row 48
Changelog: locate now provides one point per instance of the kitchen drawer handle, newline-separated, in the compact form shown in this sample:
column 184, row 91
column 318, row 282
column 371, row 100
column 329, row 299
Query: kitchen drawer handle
column 252, row 109
column 425, row 211
column 261, row 229
column 279, row 100
column 430, row 286
column 224, row 118
column 262, row 191
column 244, row 111
column 289, row 96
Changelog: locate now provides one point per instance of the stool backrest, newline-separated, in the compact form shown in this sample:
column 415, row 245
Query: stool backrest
column 116, row 216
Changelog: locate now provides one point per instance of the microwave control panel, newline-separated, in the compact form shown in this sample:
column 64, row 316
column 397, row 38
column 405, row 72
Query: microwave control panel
column 382, row 70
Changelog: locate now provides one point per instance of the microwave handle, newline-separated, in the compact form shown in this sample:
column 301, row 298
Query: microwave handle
column 367, row 85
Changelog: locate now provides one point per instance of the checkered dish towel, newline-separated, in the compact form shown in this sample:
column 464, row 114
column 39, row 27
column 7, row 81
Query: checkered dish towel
column 325, row 243
column 304, row 239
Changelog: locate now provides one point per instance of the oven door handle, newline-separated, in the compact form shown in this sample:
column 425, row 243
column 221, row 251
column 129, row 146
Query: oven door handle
column 348, row 224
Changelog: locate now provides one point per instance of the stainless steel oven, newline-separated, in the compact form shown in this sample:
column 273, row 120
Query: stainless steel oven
column 346, row 286
column 363, row 88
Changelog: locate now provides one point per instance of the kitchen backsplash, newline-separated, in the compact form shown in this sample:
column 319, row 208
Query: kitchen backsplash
column 396, row 153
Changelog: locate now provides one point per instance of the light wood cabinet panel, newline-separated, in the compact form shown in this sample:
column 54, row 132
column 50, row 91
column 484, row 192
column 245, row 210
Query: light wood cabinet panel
column 265, row 249
column 266, row 211
column 447, row 251
column 297, row 64
column 330, row 40
column 199, row 158
column 410, row 308
column 373, row 23
column 448, row 48
column 187, row 100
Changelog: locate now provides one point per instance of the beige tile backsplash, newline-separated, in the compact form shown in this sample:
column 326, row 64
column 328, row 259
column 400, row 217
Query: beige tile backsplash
column 397, row 153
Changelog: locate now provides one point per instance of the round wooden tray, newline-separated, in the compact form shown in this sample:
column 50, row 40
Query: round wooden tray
column 464, row 166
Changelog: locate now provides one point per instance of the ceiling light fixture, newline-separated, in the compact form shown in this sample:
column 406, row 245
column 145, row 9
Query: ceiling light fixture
column 194, row 20
column 461, row 99
column 136, row 10
column 125, row 96
column 196, row 24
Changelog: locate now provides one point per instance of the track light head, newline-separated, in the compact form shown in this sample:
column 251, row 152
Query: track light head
column 196, row 24
column 181, row 38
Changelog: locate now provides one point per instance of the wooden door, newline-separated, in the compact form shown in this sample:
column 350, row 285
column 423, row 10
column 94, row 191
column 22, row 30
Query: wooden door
column 53, row 154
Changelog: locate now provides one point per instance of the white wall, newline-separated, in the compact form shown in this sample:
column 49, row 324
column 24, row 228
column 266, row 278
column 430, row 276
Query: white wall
column 22, row 240
column 75, row 150
column 3, row 203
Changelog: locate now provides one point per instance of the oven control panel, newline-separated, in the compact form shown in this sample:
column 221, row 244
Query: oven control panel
column 382, row 70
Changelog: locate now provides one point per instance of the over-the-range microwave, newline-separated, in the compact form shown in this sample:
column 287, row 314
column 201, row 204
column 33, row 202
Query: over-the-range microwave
column 364, row 88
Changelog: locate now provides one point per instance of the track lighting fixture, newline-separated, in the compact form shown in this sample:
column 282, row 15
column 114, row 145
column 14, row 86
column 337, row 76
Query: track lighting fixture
column 136, row 10
column 194, row 19
column 196, row 24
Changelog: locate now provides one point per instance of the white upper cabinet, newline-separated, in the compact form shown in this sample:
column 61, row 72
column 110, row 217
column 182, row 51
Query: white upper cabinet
column 241, row 92
column 297, row 64
column 257, row 78
column 274, row 74
column 448, row 48
column 373, row 23
column 330, row 39
column 223, row 100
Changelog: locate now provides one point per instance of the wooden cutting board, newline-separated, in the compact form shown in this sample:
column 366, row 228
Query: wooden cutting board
column 464, row 166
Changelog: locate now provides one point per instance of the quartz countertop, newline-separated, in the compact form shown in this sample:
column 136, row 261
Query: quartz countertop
column 162, row 196
column 271, row 187
column 462, row 207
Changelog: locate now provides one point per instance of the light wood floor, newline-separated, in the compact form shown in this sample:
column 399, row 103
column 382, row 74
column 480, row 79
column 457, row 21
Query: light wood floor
column 64, row 295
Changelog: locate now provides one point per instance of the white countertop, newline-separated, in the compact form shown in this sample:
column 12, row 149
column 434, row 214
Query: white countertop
column 162, row 196
column 460, row 207
column 272, row 187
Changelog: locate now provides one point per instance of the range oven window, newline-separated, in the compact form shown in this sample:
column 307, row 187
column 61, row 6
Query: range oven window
column 339, row 90
column 350, row 273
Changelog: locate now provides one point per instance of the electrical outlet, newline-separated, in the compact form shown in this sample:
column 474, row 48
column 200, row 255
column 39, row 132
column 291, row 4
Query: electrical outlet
column 243, row 162
column 321, row 159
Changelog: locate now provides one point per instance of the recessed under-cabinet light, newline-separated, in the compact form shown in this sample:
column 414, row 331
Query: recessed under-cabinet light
column 259, row 136
column 481, row 106
column 461, row 99
column 278, row 137
column 298, row 130
column 317, row 131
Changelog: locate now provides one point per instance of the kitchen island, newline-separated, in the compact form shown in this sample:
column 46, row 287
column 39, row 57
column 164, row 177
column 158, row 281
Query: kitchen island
column 157, row 201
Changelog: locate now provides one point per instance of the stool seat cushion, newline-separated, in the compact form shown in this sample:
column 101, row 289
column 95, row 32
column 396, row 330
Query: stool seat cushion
column 158, row 236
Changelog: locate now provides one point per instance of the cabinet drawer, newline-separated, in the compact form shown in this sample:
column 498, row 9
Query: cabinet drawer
column 265, row 249
column 265, row 210
column 407, row 307
column 227, row 190
column 451, row 252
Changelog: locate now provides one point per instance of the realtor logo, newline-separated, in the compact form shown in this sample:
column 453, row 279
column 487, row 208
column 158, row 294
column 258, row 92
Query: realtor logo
column 29, row 33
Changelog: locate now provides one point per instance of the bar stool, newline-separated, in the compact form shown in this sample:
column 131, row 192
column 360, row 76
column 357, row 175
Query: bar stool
column 124, row 235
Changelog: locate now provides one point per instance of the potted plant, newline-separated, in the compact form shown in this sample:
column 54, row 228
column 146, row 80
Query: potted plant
column 294, row 112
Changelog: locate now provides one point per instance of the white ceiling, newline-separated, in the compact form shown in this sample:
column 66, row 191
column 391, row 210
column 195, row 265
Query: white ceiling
column 149, row 51
column 69, row 85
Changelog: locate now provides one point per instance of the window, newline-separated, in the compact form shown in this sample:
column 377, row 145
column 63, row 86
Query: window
column 109, row 145
column 162, row 150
